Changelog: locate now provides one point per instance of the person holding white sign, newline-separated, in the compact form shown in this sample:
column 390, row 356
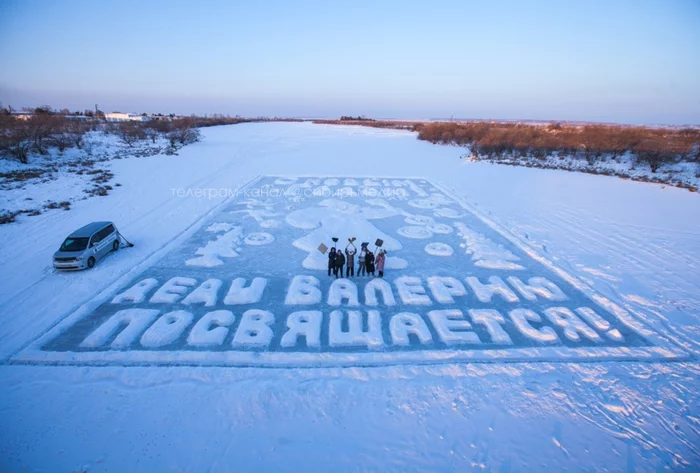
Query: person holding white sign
column 350, row 260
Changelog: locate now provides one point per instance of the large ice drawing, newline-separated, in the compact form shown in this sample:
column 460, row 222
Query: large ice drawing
column 341, row 219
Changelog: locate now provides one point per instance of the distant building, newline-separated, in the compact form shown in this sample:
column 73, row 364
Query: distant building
column 22, row 115
column 162, row 118
column 78, row 117
column 29, row 115
column 125, row 117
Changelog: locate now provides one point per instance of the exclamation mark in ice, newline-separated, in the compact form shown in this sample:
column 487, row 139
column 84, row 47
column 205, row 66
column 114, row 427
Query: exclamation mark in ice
column 600, row 324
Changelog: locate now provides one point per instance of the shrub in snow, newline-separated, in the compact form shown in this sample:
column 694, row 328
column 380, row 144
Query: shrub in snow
column 183, row 132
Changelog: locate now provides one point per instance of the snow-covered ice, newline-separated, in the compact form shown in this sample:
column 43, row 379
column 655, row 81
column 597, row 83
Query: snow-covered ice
column 186, row 292
column 439, row 249
column 147, row 363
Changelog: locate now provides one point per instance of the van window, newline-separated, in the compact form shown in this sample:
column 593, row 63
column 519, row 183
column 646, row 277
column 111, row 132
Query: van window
column 102, row 234
column 98, row 236
column 74, row 244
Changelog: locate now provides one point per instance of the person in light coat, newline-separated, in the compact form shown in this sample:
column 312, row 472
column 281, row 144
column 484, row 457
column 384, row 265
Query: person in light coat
column 379, row 262
column 362, row 269
column 350, row 261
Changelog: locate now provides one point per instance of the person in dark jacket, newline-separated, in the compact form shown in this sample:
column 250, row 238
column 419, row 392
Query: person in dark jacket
column 369, row 261
column 331, row 261
column 339, row 263
column 350, row 261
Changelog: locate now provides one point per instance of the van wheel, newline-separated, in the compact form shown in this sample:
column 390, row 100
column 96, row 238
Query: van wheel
column 91, row 262
column 115, row 245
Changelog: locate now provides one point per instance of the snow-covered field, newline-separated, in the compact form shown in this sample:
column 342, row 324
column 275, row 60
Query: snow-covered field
column 59, row 179
column 552, row 389
column 683, row 174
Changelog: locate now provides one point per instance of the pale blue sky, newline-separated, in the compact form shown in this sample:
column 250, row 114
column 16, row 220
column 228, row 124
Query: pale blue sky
column 620, row 61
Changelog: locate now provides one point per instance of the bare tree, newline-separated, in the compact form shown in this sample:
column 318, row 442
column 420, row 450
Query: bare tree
column 653, row 152
column 62, row 140
column 151, row 133
column 130, row 133
column 16, row 139
column 44, row 110
column 42, row 126
column 183, row 132
column 76, row 130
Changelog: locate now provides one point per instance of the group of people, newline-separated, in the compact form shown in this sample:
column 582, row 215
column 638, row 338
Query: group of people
column 367, row 262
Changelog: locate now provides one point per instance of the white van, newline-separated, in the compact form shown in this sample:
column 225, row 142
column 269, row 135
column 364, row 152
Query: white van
column 85, row 246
